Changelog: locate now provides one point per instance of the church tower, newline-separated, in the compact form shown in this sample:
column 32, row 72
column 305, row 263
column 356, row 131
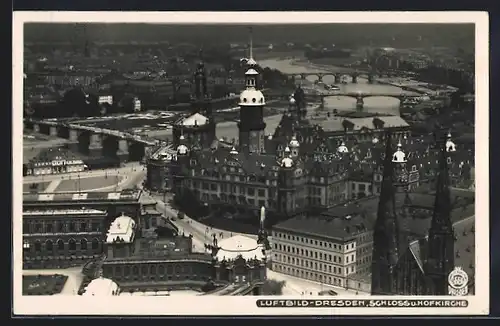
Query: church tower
column 251, row 126
column 386, row 231
column 440, row 260
column 201, row 99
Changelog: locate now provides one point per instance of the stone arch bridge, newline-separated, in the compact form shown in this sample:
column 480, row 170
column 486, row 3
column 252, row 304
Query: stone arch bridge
column 96, row 142
column 338, row 77
column 356, row 95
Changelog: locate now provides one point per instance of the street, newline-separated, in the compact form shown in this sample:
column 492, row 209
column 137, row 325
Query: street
column 296, row 286
column 202, row 234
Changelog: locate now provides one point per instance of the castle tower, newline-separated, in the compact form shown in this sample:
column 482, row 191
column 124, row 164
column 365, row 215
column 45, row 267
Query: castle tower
column 440, row 260
column 179, row 163
column 251, row 126
column 294, row 146
column 201, row 100
column 386, row 231
column 300, row 102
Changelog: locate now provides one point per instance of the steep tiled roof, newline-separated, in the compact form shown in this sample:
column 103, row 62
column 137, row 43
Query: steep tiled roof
column 47, row 155
column 333, row 223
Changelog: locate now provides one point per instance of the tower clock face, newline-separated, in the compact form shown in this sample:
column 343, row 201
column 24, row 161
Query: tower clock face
column 253, row 134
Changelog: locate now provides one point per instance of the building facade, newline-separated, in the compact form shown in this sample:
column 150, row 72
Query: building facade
column 114, row 203
column 150, row 264
column 62, row 237
column 54, row 161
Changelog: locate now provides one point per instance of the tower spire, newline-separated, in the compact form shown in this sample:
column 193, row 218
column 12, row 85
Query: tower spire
column 442, row 201
column 251, row 61
column 386, row 230
column 441, row 258
column 251, row 43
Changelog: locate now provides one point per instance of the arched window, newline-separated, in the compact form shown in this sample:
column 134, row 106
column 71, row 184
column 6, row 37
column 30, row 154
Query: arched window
column 161, row 270
column 38, row 246
column 95, row 244
column 177, row 269
column 60, row 245
column 60, row 226
column 49, row 246
column 135, row 270
column 49, row 228
column 71, row 227
column 72, row 245
column 38, row 228
column 126, row 270
column 83, row 227
column 152, row 269
column 83, row 244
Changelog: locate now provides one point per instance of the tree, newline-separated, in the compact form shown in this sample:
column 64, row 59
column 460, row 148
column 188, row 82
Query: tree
column 273, row 287
column 208, row 286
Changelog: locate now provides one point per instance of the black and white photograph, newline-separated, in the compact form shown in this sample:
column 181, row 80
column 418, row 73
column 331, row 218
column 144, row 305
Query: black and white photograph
column 304, row 164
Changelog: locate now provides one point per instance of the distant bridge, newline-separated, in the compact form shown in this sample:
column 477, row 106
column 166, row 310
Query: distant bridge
column 95, row 141
column 340, row 76
column 363, row 95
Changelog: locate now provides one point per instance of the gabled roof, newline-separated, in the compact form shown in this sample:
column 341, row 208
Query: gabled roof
column 194, row 120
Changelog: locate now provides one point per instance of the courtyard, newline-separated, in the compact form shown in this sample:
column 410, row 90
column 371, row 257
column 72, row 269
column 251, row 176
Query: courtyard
column 43, row 284
column 88, row 183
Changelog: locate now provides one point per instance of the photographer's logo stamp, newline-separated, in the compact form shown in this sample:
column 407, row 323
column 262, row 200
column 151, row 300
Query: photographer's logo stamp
column 458, row 282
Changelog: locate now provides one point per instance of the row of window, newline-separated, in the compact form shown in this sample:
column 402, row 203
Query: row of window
column 324, row 244
column 225, row 187
column 362, row 187
column 309, row 275
column 236, row 199
column 60, row 245
column 152, row 269
column 232, row 177
column 314, row 265
column 30, row 227
column 315, row 254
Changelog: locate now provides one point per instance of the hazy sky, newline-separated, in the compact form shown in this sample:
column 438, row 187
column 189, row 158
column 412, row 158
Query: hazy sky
column 434, row 33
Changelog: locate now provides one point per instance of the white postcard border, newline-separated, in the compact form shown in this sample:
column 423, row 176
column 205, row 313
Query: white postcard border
column 212, row 305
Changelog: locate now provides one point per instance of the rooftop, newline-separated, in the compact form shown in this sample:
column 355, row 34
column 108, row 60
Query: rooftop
column 101, row 287
column 48, row 155
column 194, row 120
column 61, row 197
column 464, row 247
column 344, row 222
column 239, row 245
column 63, row 212
column 121, row 230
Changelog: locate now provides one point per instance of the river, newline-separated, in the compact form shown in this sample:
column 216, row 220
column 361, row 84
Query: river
column 379, row 104
column 374, row 104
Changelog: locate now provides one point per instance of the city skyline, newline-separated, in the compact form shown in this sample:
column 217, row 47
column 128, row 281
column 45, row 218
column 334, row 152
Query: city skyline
column 283, row 173
column 438, row 33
